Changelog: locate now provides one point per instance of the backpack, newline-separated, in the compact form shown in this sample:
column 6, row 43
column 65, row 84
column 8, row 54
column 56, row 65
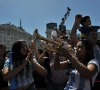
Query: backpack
column 96, row 83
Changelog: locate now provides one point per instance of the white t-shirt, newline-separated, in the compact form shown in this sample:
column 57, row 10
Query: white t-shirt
column 77, row 82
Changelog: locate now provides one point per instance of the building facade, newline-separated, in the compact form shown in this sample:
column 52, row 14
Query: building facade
column 49, row 28
column 62, row 27
column 10, row 33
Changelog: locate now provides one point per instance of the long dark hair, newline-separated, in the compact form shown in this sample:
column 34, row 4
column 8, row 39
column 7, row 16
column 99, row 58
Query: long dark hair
column 17, row 57
column 89, row 53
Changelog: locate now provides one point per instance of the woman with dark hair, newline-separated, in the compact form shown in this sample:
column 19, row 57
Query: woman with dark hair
column 24, row 64
column 83, row 68
column 3, row 84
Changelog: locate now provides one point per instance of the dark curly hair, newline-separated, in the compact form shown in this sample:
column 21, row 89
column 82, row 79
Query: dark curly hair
column 17, row 57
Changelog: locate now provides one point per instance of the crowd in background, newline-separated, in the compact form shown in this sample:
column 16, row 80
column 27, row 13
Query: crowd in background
column 75, row 65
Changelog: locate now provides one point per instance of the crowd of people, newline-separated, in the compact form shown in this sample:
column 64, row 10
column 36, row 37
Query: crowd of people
column 73, row 66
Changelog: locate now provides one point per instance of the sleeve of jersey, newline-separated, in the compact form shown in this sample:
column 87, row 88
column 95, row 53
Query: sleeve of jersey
column 6, row 64
column 94, row 61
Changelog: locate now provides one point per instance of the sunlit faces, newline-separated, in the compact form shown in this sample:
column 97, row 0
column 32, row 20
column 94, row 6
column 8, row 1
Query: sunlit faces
column 23, row 48
column 2, row 50
column 80, row 50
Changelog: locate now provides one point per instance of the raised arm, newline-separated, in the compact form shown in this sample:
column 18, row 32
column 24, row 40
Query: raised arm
column 59, row 65
column 76, row 26
column 40, row 69
column 33, row 48
column 86, row 71
column 41, row 59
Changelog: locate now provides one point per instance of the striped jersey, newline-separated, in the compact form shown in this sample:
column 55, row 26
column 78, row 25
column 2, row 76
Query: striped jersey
column 25, row 78
column 77, row 82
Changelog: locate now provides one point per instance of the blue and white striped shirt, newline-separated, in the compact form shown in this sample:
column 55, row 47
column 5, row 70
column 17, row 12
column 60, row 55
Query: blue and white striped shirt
column 77, row 82
column 23, row 79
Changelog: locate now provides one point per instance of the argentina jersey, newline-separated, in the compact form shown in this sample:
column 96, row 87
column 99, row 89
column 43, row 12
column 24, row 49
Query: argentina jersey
column 77, row 81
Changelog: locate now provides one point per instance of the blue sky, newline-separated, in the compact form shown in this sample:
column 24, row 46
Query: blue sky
column 36, row 13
